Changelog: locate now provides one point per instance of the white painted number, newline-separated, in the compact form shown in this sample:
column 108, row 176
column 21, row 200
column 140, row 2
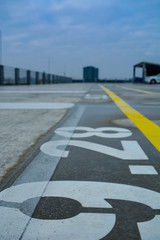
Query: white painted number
column 131, row 149
column 105, row 132
column 13, row 222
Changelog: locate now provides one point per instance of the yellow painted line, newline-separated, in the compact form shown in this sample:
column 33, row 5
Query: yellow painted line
column 146, row 126
column 137, row 90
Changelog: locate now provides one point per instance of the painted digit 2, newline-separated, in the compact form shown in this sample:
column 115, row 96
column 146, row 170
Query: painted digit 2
column 89, row 194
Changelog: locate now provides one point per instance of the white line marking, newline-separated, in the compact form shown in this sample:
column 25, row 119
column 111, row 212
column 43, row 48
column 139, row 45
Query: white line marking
column 39, row 92
column 34, row 105
column 138, row 169
column 96, row 97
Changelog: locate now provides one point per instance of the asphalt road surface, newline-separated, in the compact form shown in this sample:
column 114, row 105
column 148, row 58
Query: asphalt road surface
column 97, row 177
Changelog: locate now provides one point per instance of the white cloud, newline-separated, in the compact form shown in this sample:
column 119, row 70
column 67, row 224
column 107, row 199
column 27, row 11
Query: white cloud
column 103, row 33
column 15, row 37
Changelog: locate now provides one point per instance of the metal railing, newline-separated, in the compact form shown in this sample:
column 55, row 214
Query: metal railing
column 18, row 76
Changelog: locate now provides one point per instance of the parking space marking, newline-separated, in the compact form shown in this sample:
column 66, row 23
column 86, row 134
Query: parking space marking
column 137, row 90
column 146, row 126
column 35, row 105
column 91, row 96
column 41, row 92
column 144, row 169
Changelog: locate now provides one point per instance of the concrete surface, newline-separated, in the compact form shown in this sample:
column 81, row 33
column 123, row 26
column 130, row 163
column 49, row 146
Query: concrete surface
column 97, row 177
column 24, row 121
column 23, row 125
column 21, row 128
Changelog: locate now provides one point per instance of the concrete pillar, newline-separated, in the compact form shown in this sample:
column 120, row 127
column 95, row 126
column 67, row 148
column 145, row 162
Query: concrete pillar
column 43, row 77
column 28, row 77
column 48, row 78
column 1, row 74
column 16, row 76
column 144, row 71
column 134, row 73
column 37, row 77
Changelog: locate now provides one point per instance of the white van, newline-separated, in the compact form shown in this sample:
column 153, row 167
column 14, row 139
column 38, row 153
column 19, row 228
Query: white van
column 152, row 79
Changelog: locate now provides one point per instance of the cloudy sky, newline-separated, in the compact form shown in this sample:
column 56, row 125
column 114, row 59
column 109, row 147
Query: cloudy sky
column 63, row 36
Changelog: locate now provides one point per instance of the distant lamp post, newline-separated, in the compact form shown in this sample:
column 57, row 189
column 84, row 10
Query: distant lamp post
column 0, row 47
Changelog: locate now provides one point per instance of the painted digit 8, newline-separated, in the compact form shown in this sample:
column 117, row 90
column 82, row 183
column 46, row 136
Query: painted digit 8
column 105, row 132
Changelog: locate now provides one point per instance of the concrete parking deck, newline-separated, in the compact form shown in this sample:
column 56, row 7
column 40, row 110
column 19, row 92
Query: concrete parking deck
column 28, row 114
column 92, row 175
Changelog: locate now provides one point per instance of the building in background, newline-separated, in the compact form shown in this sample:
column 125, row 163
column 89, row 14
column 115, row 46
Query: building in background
column 90, row 74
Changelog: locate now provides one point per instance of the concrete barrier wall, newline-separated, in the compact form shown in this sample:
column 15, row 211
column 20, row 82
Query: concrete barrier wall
column 18, row 76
